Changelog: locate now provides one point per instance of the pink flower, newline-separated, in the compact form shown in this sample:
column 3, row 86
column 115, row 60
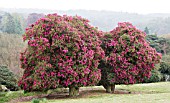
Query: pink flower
column 65, row 51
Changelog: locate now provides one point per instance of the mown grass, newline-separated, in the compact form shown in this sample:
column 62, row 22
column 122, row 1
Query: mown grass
column 120, row 98
column 161, row 87
column 6, row 97
column 139, row 93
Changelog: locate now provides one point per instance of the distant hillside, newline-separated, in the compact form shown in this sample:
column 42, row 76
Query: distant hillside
column 107, row 20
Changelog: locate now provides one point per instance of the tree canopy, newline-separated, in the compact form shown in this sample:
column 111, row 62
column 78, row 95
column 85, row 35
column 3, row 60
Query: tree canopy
column 62, row 51
column 129, row 58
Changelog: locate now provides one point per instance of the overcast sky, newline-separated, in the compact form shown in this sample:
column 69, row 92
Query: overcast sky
column 132, row 6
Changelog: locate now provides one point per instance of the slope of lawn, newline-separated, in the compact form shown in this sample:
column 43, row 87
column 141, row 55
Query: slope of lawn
column 138, row 93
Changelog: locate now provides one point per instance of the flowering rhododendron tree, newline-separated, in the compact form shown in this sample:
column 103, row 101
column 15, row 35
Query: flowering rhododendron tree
column 129, row 58
column 62, row 51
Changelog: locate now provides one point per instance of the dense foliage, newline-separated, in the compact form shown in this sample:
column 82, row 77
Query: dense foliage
column 7, row 78
column 156, row 76
column 62, row 51
column 166, row 58
column 165, row 68
column 162, row 45
column 129, row 58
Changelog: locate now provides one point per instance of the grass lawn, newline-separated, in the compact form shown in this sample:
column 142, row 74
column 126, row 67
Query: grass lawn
column 117, row 98
column 138, row 93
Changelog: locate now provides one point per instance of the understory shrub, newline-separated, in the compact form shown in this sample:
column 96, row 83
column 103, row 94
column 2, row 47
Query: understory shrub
column 165, row 68
column 156, row 76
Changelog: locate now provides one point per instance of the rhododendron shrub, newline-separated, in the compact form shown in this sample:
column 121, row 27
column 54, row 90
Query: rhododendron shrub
column 62, row 51
column 129, row 58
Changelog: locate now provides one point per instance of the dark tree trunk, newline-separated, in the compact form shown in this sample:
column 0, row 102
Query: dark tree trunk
column 113, row 88
column 108, row 88
column 73, row 91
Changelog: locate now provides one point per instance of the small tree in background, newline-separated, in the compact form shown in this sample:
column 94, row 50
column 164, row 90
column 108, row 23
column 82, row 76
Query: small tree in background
column 62, row 51
column 146, row 30
column 19, row 27
column 129, row 58
column 7, row 78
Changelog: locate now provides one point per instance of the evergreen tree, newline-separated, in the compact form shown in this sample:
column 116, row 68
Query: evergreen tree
column 7, row 78
column 146, row 30
column 8, row 24
column 19, row 29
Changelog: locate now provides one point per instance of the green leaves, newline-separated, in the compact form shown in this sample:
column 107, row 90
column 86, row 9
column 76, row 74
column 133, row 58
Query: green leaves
column 125, row 37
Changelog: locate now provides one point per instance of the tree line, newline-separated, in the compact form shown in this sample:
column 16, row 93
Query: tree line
column 98, row 18
column 16, row 23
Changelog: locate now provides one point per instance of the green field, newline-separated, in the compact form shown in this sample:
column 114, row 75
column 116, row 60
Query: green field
column 138, row 93
column 113, row 98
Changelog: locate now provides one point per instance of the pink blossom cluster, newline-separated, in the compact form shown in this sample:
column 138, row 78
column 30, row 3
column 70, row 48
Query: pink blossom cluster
column 62, row 51
column 128, row 55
